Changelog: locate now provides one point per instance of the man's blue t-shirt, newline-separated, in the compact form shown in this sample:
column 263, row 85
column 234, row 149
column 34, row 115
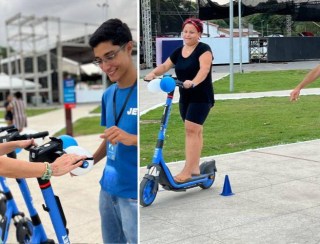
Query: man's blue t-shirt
column 120, row 175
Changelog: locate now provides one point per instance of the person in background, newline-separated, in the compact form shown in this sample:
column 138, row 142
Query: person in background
column 192, row 64
column 112, row 46
column 8, row 116
column 18, row 109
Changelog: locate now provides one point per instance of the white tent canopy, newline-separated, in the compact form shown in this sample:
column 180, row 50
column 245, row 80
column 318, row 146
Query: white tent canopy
column 90, row 69
column 15, row 83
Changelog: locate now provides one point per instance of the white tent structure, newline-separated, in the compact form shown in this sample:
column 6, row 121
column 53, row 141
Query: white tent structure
column 14, row 83
column 90, row 69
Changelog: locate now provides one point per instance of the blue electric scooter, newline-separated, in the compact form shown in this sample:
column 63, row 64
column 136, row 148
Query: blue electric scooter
column 49, row 152
column 158, row 172
column 27, row 231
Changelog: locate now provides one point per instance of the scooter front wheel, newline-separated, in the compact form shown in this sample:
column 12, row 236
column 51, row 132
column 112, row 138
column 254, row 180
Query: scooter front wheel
column 24, row 230
column 147, row 193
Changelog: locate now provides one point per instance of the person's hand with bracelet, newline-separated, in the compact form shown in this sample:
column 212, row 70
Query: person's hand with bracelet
column 62, row 165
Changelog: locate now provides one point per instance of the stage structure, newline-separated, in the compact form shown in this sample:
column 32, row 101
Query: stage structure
column 299, row 10
column 35, row 50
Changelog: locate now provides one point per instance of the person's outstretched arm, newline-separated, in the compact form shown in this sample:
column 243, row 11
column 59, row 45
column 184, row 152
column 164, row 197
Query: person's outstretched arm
column 309, row 78
column 15, row 168
column 8, row 147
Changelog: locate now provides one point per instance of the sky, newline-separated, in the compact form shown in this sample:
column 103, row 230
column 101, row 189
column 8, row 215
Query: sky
column 82, row 11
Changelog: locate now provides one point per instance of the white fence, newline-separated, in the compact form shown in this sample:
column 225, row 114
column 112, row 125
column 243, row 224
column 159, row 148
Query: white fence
column 219, row 46
column 89, row 96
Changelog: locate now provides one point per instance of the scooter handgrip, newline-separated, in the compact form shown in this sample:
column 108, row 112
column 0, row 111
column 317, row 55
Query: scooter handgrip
column 6, row 128
column 179, row 83
column 38, row 135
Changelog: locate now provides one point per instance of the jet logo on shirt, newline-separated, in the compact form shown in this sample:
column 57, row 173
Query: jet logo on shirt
column 132, row 111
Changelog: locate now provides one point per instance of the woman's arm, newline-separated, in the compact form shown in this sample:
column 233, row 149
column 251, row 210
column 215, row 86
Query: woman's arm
column 15, row 168
column 159, row 70
column 205, row 64
column 8, row 147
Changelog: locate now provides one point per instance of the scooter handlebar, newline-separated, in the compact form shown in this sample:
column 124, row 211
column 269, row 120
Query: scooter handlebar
column 155, row 84
column 41, row 134
column 5, row 128
column 17, row 136
column 178, row 82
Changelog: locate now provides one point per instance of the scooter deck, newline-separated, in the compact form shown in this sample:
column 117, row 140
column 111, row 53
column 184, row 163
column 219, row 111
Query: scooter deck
column 193, row 178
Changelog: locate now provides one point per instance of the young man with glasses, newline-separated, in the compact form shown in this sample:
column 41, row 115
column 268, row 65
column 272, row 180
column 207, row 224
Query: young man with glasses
column 112, row 46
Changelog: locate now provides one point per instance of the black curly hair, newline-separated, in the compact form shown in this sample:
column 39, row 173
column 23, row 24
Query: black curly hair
column 113, row 30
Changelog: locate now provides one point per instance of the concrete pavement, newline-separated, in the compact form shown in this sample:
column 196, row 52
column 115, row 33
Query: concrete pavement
column 277, row 200
column 277, row 197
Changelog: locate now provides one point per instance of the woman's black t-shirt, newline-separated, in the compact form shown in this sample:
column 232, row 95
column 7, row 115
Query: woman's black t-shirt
column 187, row 69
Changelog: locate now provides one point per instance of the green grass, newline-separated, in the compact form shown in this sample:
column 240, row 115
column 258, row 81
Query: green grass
column 263, row 81
column 32, row 112
column 236, row 125
column 97, row 110
column 85, row 126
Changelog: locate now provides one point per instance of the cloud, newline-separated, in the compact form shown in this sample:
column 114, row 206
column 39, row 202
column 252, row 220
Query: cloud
column 82, row 11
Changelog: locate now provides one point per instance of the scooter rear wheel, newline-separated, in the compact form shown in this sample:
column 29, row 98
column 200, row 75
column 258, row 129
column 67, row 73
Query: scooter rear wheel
column 208, row 168
column 207, row 184
column 147, row 195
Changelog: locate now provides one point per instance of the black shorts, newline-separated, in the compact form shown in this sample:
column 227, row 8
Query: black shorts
column 8, row 116
column 195, row 112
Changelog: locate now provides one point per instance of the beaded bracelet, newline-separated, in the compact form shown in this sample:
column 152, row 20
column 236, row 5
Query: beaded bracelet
column 48, row 173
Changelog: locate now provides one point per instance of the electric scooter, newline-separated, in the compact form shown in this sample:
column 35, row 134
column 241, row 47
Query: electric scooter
column 27, row 231
column 158, row 172
column 49, row 152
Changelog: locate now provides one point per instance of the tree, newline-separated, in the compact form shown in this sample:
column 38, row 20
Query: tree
column 167, row 16
column 3, row 52
column 276, row 24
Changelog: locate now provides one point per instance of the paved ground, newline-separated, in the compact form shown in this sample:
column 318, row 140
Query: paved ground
column 276, row 191
column 277, row 200
column 277, row 197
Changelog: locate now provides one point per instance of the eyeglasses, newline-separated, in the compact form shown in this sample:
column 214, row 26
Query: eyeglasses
column 109, row 57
